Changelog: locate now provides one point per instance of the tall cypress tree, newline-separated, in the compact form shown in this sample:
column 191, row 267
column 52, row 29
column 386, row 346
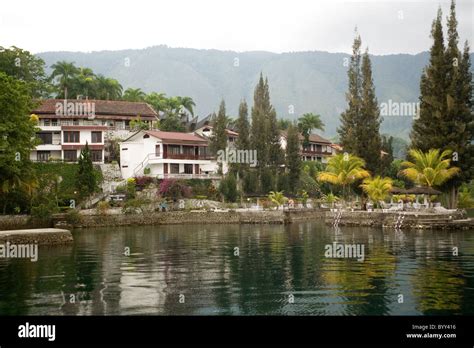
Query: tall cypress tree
column 368, row 127
column 86, row 181
column 243, row 127
column 219, row 137
column 348, row 129
column 430, row 126
column 293, row 159
column 257, row 133
column 360, row 123
column 446, row 116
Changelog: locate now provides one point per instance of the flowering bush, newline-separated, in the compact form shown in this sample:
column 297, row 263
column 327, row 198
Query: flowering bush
column 143, row 181
column 174, row 189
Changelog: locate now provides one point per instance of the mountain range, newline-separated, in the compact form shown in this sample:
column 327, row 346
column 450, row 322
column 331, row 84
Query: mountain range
column 300, row 82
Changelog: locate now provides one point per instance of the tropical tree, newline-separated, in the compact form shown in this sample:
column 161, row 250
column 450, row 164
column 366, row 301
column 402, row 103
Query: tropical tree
column 377, row 188
column 277, row 198
column 84, row 82
column 107, row 88
column 308, row 122
column 64, row 73
column 186, row 103
column 430, row 168
column 134, row 95
column 343, row 170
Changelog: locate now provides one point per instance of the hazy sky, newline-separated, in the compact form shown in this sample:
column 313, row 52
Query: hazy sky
column 239, row 25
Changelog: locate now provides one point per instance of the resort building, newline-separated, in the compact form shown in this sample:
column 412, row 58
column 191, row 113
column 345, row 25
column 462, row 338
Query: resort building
column 67, row 125
column 319, row 149
column 207, row 132
column 166, row 155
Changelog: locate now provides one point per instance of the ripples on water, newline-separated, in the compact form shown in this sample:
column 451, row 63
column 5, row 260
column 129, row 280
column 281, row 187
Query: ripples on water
column 275, row 262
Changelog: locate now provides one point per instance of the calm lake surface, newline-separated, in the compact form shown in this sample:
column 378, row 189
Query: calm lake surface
column 275, row 262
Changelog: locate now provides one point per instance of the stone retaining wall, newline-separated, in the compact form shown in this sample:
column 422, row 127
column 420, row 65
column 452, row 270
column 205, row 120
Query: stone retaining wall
column 193, row 217
column 18, row 222
column 40, row 236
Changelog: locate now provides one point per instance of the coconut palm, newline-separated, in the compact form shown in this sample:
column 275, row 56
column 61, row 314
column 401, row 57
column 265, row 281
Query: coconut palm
column 187, row 103
column 84, row 82
column 377, row 188
column 65, row 73
column 277, row 198
column 343, row 170
column 306, row 123
column 134, row 95
column 107, row 88
column 429, row 169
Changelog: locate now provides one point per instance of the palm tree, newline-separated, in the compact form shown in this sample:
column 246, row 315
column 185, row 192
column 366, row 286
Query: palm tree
column 377, row 188
column 134, row 95
column 307, row 123
column 343, row 170
column 187, row 103
column 429, row 169
column 84, row 82
column 107, row 88
column 277, row 198
column 65, row 72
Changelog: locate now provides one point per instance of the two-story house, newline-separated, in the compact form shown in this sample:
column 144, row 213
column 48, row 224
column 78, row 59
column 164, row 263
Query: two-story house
column 166, row 155
column 318, row 148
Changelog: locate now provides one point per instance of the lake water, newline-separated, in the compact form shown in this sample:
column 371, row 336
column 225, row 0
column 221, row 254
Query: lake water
column 276, row 270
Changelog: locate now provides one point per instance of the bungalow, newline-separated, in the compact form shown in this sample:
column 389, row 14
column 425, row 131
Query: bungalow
column 66, row 125
column 166, row 155
column 318, row 149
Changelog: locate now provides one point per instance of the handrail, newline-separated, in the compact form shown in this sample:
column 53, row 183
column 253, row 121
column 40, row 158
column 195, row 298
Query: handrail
column 143, row 163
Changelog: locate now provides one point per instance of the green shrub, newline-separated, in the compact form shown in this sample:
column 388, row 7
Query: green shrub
column 102, row 207
column 73, row 217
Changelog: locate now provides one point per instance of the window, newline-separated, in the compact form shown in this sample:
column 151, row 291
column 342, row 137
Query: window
column 75, row 122
column 42, row 156
column 46, row 138
column 46, row 122
column 96, row 155
column 71, row 137
column 188, row 168
column 96, row 137
column 70, row 155
column 173, row 149
column 54, row 122
column 174, row 168
column 157, row 150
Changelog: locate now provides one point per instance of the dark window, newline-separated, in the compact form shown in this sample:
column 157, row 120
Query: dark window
column 96, row 137
column 157, row 150
column 71, row 137
column 174, row 168
column 96, row 155
column 42, row 156
column 174, row 149
column 188, row 168
column 46, row 122
column 46, row 138
column 188, row 150
column 70, row 155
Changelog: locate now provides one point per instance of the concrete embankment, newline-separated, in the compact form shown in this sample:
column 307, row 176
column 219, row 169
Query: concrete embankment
column 193, row 217
column 40, row 236
column 401, row 220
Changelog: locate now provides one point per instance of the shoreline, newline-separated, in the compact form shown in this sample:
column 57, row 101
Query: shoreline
column 377, row 219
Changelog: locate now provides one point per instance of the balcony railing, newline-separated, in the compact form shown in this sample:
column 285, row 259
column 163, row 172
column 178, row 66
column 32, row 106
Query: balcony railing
column 185, row 156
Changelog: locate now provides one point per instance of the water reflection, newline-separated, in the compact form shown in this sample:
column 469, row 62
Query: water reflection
column 244, row 269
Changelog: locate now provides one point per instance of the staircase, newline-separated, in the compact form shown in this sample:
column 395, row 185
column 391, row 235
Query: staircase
column 139, row 170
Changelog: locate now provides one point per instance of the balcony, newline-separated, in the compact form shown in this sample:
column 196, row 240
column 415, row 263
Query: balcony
column 184, row 156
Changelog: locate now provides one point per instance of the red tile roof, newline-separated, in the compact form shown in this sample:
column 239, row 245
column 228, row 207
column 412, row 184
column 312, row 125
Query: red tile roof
column 313, row 138
column 176, row 136
column 102, row 107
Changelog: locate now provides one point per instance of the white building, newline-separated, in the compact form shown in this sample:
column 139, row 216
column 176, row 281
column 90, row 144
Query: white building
column 166, row 155
column 318, row 148
column 67, row 125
